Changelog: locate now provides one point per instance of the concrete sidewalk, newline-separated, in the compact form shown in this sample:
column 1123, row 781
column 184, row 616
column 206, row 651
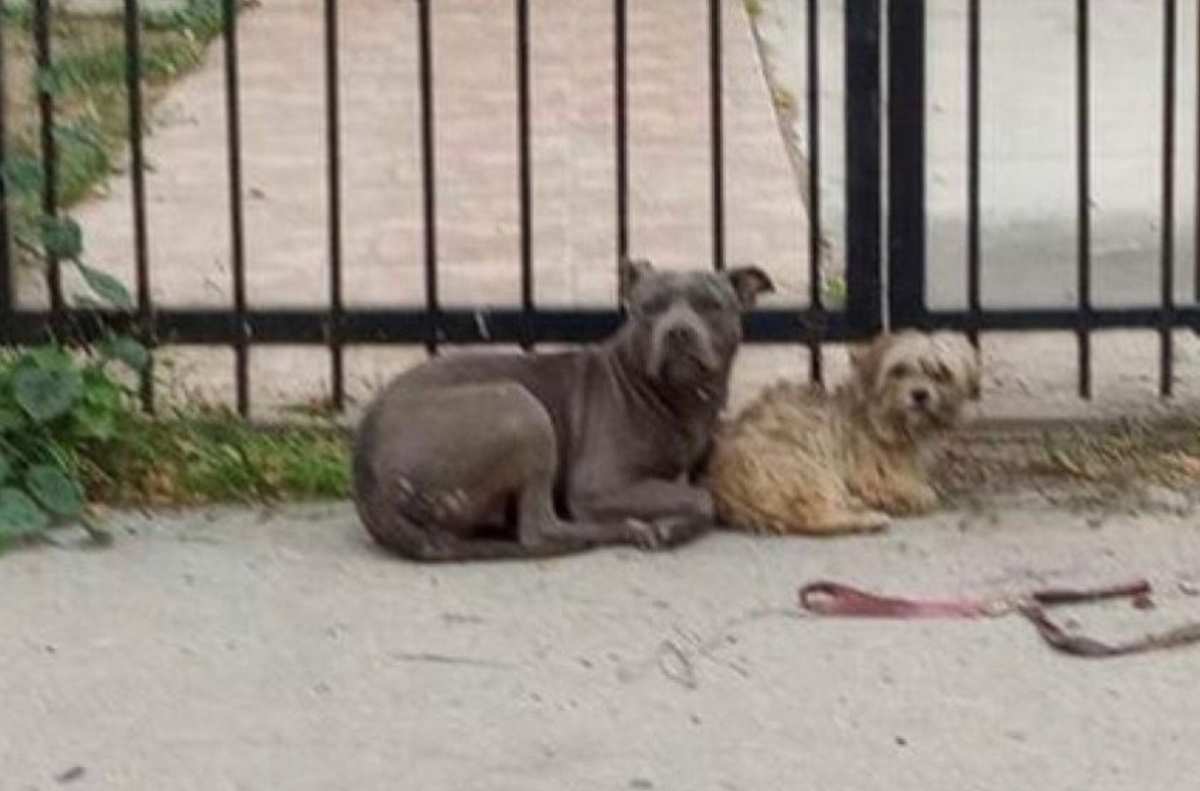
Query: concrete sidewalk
column 238, row 650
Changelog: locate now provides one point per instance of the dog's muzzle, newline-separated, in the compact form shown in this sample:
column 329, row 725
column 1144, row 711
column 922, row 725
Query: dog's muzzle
column 681, row 337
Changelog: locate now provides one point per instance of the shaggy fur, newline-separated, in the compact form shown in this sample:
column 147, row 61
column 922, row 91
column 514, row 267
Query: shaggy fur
column 800, row 460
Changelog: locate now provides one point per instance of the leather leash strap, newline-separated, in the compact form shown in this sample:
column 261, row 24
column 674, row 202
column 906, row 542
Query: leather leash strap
column 835, row 599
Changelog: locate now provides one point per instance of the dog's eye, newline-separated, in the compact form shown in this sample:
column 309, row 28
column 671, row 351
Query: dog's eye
column 942, row 373
column 706, row 303
column 656, row 304
column 900, row 371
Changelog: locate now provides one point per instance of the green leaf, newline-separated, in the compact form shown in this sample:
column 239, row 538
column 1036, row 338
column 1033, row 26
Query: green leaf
column 62, row 238
column 107, row 287
column 98, row 414
column 44, row 393
column 126, row 350
column 5, row 469
column 56, row 492
column 19, row 515
column 95, row 422
column 23, row 174
column 100, row 389
column 10, row 420
column 48, row 356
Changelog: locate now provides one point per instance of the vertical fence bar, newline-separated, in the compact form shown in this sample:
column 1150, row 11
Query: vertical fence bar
column 525, row 176
column 43, row 58
column 1083, row 173
column 717, row 134
column 137, row 178
column 813, row 109
column 333, row 142
column 1196, row 208
column 864, row 304
column 236, row 223
column 974, row 306
column 7, row 284
column 906, row 162
column 621, row 131
column 1166, row 362
column 425, row 47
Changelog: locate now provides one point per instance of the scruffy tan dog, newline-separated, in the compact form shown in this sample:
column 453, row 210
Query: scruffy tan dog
column 801, row 460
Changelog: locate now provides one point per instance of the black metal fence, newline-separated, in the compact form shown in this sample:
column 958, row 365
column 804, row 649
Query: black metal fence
column 906, row 194
column 870, row 305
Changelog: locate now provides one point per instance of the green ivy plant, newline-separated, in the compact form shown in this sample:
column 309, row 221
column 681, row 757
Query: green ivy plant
column 56, row 399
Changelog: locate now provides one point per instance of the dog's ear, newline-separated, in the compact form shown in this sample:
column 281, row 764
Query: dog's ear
column 867, row 356
column 629, row 272
column 970, row 362
column 748, row 282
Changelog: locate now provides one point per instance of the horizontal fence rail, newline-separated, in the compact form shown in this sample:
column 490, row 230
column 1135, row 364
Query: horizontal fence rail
column 885, row 240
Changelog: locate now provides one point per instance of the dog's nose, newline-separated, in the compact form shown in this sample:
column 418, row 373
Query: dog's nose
column 681, row 335
column 920, row 396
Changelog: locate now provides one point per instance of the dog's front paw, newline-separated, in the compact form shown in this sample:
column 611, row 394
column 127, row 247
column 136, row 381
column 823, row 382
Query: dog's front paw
column 921, row 501
column 666, row 532
column 872, row 521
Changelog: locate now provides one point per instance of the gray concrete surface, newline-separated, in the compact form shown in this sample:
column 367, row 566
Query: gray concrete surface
column 237, row 650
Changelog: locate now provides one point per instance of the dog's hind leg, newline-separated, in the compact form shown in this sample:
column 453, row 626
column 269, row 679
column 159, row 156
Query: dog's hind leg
column 411, row 538
column 431, row 471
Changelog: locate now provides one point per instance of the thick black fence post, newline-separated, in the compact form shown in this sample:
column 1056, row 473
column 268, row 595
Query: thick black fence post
column 863, row 209
column 906, row 163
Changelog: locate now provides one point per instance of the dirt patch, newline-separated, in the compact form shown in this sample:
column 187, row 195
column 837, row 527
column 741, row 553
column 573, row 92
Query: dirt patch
column 1130, row 466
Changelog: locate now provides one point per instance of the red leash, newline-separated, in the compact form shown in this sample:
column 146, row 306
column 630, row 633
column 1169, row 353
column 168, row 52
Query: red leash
column 834, row 599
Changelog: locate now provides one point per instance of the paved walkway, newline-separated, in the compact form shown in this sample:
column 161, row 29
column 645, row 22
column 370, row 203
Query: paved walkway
column 234, row 650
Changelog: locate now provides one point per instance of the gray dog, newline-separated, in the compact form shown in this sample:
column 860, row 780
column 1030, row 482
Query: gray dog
column 484, row 456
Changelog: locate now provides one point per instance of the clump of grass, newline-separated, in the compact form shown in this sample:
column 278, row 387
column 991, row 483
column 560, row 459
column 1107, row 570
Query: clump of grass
column 201, row 455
